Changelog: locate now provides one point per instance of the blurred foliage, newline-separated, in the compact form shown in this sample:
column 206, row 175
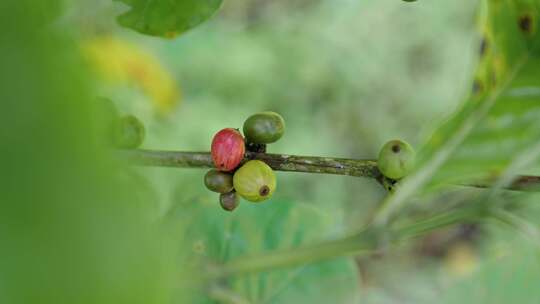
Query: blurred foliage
column 207, row 235
column 36, row 14
column 70, row 232
column 77, row 226
column 121, row 62
column 509, row 269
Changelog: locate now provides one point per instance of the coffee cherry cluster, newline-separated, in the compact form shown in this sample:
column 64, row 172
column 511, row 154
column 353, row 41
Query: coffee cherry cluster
column 253, row 180
column 125, row 132
column 396, row 159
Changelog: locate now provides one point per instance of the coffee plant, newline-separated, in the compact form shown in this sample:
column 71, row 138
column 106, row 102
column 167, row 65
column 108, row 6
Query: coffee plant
column 77, row 222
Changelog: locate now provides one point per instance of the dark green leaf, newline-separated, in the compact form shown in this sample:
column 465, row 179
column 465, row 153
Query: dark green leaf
column 167, row 18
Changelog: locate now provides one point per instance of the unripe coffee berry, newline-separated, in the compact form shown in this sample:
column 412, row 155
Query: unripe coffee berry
column 228, row 149
column 396, row 159
column 129, row 132
column 218, row 181
column 229, row 201
column 264, row 128
column 255, row 181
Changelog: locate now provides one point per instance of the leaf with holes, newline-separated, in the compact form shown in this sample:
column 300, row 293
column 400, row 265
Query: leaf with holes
column 496, row 125
column 507, row 97
column 499, row 120
column 167, row 18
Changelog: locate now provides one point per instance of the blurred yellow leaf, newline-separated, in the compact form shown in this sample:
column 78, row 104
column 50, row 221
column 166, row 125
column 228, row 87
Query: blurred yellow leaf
column 461, row 260
column 121, row 62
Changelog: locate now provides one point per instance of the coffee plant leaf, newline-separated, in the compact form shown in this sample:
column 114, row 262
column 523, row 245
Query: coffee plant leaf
column 166, row 18
column 498, row 121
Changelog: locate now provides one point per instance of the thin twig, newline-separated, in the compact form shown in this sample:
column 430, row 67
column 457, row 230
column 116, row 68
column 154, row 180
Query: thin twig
column 294, row 163
column 278, row 162
column 225, row 295
column 520, row 183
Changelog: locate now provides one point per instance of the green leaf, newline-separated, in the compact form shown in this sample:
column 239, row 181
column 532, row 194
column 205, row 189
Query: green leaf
column 497, row 121
column 505, row 103
column 38, row 12
column 211, row 234
column 167, row 18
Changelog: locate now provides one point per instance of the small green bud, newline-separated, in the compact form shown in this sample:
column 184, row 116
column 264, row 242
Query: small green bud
column 129, row 132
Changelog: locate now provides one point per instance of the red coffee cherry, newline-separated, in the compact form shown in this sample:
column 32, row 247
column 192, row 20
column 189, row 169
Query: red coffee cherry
column 228, row 149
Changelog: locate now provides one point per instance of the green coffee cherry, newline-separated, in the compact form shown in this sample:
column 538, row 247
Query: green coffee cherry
column 217, row 181
column 396, row 159
column 264, row 128
column 255, row 181
column 129, row 132
column 229, row 201
column 105, row 117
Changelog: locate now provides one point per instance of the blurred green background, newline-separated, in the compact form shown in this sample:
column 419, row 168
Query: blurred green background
column 76, row 226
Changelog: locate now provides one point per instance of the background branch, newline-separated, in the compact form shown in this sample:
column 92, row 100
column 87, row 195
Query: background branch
column 368, row 241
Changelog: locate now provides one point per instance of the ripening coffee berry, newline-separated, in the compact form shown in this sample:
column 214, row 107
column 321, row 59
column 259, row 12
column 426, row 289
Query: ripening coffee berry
column 217, row 181
column 396, row 159
column 129, row 132
column 228, row 149
column 255, row 181
column 229, row 201
column 264, row 128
